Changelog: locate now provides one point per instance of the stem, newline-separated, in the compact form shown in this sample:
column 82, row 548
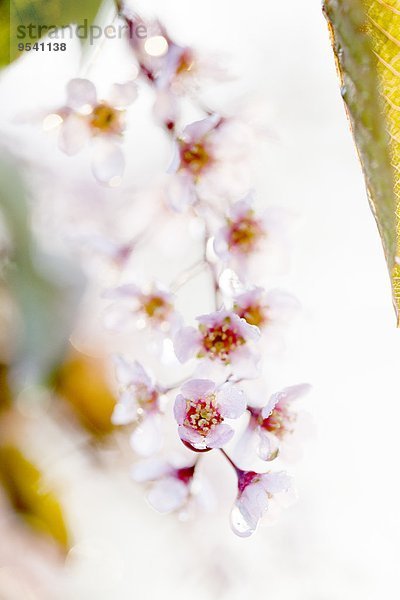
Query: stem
column 187, row 275
column 211, row 266
column 228, row 458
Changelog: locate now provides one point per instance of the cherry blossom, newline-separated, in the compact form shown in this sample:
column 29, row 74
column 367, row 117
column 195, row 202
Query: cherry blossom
column 153, row 306
column 274, row 423
column 171, row 486
column 201, row 409
column 85, row 117
column 139, row 403
column 221, row 337
column 171, row 69
column 243, row 232
column 261, row 308
column 255, row 493
column 194, row 157
column 209, row 162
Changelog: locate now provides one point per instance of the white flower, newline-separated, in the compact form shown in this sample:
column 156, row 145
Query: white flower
column 201, row 409
column 275, row 422
column 261, row 308
column 139, row 403
column 85, row 117
column 221, row 337
column 170, row 69
column 255, row 492
column 251, row 242
column 153, row 305
column 208, row 162
column 243, row 232
column 171, row 486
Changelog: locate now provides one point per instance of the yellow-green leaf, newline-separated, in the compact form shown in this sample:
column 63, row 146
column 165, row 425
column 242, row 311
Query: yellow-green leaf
column 366, row 40
column 81, row 382
column 29, row 495
column 38, row 13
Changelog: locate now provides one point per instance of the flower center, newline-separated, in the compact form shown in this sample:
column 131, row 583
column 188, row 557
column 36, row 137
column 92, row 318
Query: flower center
column 254, row 314
column 245, row 233
column 194, row 157
column 156, row 308
column 106, row 119
column 202, row 415
column 185, row 474
column 279, row 421
column 245, row 478
column 220, row 340
column 185, row 63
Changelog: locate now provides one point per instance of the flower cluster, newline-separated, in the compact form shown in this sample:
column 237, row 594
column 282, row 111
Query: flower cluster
column 220, row 354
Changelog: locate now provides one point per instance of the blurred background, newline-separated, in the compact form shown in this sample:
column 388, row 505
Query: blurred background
column 101, row 539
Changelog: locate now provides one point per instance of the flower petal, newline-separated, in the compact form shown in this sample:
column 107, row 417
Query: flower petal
column 274, row 483
column 124, row 413
column 80, row 92
column 249, row 297
column 221, row 243
column 267, row 445
column 74, row 134
column 187, row 434
column 252, row 503
column 199, row 129
column 282, row 306
column 150, row 470
column 231, row 401
column 219, row 436
column 123, row 94
column 244, row 363
column 241, row 208
column 107, row 161
column 288, row 394
column 147, row 438
column 122, row 292
column 269, row 407
column 180, row 191
column 249, row 332
column 197, row 388
column 186, row 343
column 180, row 409
column 166, row 109
column 128, row 373
column 168, row 495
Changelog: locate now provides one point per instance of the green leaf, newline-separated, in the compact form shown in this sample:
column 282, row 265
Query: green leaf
column 366, row 38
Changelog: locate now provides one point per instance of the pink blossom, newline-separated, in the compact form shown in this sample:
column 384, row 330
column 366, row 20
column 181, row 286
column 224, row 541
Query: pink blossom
column 222, row 337
column 139, row 403
column 85, row 118
column 262, row 308
column 193, row 158
column 242, row 233
column 171, row 485
column 172, row 72
column 153, row 305
column 201, row 409
column 255, row 493
column 274, row 423
column 207, row 162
